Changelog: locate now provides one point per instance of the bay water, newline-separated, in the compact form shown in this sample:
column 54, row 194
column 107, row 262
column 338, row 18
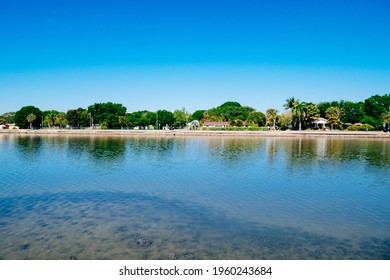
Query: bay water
column 67, row 197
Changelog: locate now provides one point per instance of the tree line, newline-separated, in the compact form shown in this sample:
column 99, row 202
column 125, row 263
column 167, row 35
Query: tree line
column 369, row 114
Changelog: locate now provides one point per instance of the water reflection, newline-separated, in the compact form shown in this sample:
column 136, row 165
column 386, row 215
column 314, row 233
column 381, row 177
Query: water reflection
column 28, row 147
column 303, row 151
column 102, row 150
column 231, row 150
column 159, row 147
column 371, row 152
column 273, row 146
column 297, row 151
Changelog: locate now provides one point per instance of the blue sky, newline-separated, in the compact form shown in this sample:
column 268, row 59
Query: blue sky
column 194, row 54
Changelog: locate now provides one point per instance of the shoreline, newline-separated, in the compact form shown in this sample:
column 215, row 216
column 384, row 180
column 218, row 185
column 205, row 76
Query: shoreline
column 192, row 133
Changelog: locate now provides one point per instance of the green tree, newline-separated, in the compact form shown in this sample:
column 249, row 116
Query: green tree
column 123, row 121
column 49, row 117
column 211, row 115
column 290, row 105
column 78, row 117
column 60, row 119
column 323, row 106
column 286, row 119
column 7, row 118
column 49, row 120
column 272, row 115
column 352, row 112
column 256, row 118
column 84, row 120
column 371, row 121
column 300, row 110
column 296, row 107
column 197, row 115
column 375, row 107
column 147, row 118
column 386, row 117
column 30, row 118
column 181, row 117
column 237, row 123
column 230, row 104
column 165, row 118
column 333, row 115
column 107, row 113
column 312, row 112
column 135, row 118
column 228, row 111
column 142, row 119
column 20, row 117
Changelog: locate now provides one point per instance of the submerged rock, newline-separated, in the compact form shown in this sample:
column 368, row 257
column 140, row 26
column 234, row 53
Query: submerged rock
column 25, row 246
column 143, row 242
column 122, row 229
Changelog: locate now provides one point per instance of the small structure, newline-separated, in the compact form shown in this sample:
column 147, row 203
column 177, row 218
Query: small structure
column 216, row 124
column 194, row 125
column 9, row 126
column 320, row 123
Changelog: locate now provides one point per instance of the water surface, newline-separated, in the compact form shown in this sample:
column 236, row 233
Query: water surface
column 194, row 198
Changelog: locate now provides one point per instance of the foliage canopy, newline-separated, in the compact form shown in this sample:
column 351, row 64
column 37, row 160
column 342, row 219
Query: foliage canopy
column 20, row 117
column 107, row 114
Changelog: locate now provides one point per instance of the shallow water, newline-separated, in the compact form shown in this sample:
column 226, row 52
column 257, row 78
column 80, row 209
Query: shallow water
column 194, row 198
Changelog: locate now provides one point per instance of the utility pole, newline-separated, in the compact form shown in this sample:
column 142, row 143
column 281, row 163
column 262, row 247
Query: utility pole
column 90, row 120
column 157, row 119
column 185, row 115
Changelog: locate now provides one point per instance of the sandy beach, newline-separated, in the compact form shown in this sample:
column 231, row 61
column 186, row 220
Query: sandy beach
column 189, row 133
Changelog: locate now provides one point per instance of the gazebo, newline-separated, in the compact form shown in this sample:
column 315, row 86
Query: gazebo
column 320, row 123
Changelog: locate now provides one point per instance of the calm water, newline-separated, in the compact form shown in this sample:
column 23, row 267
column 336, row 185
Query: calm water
column 194, row 198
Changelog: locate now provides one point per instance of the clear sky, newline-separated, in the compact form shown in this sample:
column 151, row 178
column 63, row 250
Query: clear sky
column 196, row 54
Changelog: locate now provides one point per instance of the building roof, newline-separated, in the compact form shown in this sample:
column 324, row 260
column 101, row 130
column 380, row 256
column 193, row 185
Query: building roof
column 216, row 123
column 321, row 121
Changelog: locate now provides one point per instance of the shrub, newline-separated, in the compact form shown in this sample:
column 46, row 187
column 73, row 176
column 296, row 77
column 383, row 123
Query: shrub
column 363, row 127
column 235, row 128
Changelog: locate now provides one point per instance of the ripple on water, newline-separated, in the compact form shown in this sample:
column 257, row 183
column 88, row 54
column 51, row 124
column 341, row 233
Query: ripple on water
column 64, row 198
column 132, row 226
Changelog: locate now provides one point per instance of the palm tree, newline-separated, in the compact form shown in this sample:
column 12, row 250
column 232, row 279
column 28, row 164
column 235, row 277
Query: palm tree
column 60, row 118
column 300, row 110
column 272, row 115
column 333, row 115
column 123, row 121
column 296, row 107
column 30, row 118
column 50, row 119
column 289, row 103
